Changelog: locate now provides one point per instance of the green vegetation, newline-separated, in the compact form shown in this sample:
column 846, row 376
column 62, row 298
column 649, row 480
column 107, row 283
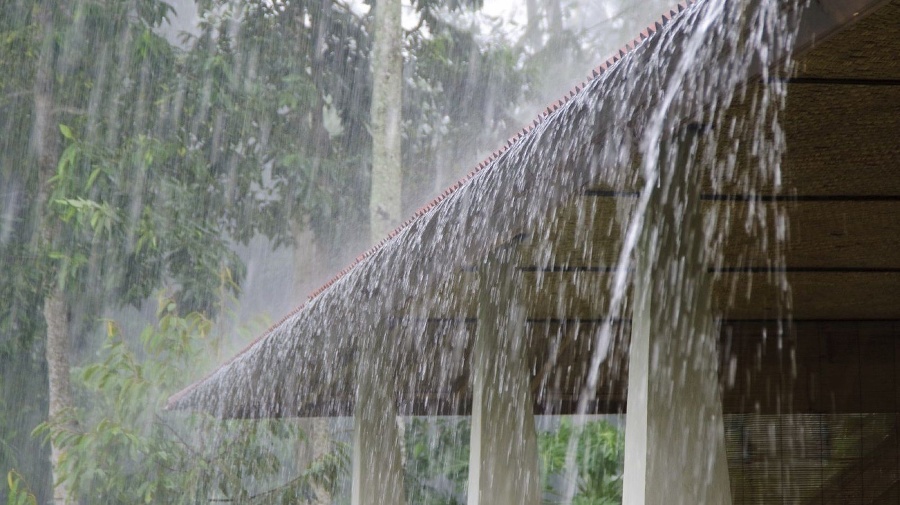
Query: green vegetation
column 126, row 449
column 437, row 461
column 599, row 460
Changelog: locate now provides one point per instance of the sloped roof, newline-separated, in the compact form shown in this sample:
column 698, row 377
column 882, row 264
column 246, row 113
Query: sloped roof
column 303, row 364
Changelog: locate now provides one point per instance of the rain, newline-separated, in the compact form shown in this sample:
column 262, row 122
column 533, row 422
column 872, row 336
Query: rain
column 444, row 252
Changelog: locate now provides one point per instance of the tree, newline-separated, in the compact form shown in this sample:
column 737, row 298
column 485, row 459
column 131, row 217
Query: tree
column 600, row 462
column 126, row 176
column 437, row 455
column 385, row 202
column 39, row 34
column 461, row 86
column 437, row 461
column 127, row 451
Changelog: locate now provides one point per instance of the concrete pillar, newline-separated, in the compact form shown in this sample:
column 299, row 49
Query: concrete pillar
column 377, row 462
column 503, row 459
column 674, row 433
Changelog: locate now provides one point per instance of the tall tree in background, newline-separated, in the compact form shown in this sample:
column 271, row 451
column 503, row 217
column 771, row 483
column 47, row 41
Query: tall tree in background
column 45, row 140
column 460, row 99
column 385, row 202
column 59, row 252
column 121, row 176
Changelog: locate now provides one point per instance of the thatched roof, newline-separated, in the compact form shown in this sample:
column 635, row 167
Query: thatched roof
column 547, row 189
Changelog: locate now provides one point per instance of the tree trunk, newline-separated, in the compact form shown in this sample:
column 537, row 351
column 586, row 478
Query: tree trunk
column 387, row 69
column 58, row 350
column 554, row 13
column 385, row 203
column 45, row 139
column 532, row 29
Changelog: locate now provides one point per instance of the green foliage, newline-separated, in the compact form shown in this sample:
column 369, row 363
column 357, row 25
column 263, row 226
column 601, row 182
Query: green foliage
column 23, row 378
column 459, row 88
column 150, row 457
column 599, row 460
column 19, row 493
column 437, row 461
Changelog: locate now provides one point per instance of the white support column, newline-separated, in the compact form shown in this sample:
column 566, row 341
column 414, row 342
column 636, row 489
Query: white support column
column 674, row 434
column 503, row 459
column 377, row 462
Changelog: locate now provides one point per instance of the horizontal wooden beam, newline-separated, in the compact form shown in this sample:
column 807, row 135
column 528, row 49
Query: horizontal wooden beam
column 842, row 81
column 765, row 198
column 726, row 270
